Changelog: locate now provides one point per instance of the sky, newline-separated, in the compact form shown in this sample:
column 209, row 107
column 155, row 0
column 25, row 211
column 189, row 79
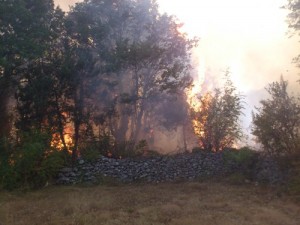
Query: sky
column 250, row 38
column 247, row 37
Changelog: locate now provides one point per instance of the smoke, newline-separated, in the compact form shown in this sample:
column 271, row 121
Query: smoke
column 247, row 37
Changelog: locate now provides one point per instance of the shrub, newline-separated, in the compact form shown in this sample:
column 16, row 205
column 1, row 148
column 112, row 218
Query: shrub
column 5, row 152
column 197, row 150
column 294, row 176
column 32, row 163
column 105, row 143
column 244, row 159
column 240, row 156
column 152, row 153
column 90, row 153
column 276, row 123
column 217, row 118
column 128, row 149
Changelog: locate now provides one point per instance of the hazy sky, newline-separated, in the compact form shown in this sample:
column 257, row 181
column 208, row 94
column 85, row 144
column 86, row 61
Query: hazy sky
column 247, row 36
column 64, row 4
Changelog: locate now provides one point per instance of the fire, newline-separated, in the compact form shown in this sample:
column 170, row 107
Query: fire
column 66, row 141
column 194, row 92
column 57, row 141
column 204, row 103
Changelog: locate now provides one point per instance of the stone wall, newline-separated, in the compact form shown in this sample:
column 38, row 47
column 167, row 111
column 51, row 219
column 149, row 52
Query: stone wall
column 189, row 166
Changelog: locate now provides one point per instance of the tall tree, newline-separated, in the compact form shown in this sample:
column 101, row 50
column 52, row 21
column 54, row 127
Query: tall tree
column 294, row 21
column 143, row 54
column 156, row 59
column 25, row 32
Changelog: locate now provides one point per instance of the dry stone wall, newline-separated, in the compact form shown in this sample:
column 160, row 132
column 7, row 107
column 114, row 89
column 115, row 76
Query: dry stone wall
column 189, row 166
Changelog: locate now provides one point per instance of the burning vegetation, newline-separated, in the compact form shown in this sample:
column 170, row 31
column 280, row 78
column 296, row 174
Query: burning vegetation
column 216, row 117
column 112, row 77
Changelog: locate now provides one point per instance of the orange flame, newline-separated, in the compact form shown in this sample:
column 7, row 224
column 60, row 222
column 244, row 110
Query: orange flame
column 57, row 141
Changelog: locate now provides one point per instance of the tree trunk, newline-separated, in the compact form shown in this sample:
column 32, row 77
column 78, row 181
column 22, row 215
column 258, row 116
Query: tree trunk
column 60, row 123
column 184, row 137
column 5, row 93
column 78, row 119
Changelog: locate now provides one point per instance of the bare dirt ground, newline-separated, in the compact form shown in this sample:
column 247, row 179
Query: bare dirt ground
column 197, row 203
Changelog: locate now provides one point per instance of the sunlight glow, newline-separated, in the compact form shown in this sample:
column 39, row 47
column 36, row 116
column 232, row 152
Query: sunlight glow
column 238, row 35
column 254, row 18
column 247, row 37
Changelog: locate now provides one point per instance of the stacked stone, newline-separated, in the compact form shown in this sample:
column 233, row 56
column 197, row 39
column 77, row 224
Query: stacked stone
column 189, row 166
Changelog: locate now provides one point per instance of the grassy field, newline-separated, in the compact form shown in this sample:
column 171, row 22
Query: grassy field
column 197, row 203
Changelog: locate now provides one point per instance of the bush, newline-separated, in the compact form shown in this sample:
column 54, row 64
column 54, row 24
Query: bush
column 5, row 152
column 90, row 153
column 244, row 159
column 105, row 144
column 128, row 149
column 240, row 156
column 276, row 123
column 197, row 150
column 152, row 153
column 293, row 184
column 32, row 163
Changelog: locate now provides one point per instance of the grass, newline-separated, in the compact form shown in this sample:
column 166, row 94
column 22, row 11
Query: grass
column 204, row 203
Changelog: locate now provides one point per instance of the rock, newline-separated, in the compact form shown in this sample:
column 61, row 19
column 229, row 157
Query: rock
column 165, row 168
column 66, row 170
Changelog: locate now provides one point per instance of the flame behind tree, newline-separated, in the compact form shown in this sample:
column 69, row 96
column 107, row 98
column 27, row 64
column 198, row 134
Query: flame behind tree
column 101, row 73
column 64, row 140
column 216, row 121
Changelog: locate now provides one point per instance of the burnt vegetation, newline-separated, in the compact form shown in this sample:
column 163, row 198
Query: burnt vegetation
column 113, row 77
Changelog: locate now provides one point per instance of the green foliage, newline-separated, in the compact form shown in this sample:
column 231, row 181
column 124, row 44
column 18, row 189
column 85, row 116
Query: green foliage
column 217, row 118
column 245, row 159
column 276, row 124
column 197, row 150
column 72, row 70
column 27, row 29
column 32, row 164
column 293, row 20
column 241, row 156
column 6, row 172
column 141, row 146
column 105, row 143
column 123, row 149
column 293, row 184
column 152, row 153
column 128, row 149
column 90, row 153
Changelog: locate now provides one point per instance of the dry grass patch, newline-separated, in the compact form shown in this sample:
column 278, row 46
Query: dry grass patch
column 181, row 203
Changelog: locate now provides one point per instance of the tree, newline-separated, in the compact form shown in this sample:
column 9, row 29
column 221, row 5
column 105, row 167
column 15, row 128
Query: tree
column 26, row 30
column 39, row 85
column 294, row 21
column 156, row 61
column 142, row 55
column 276, row 124
column 216, row 122
column 102, row 66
